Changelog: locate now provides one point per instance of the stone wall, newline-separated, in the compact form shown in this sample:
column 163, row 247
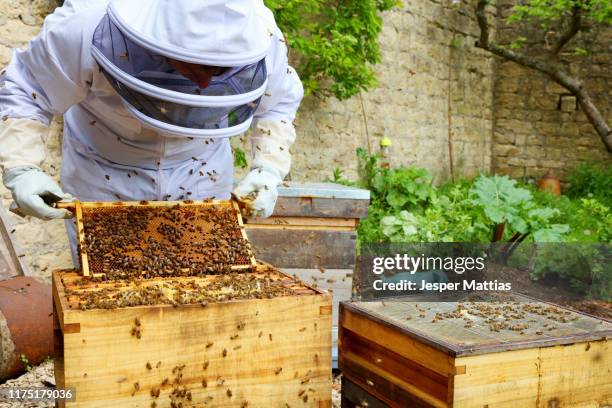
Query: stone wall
column 536, row 128
column 431, row 81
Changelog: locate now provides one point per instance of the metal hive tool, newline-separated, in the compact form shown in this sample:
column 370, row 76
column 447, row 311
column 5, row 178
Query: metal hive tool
column 160, row 238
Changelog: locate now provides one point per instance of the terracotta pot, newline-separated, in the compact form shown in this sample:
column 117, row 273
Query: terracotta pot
column 26, row 324
column 550, row 183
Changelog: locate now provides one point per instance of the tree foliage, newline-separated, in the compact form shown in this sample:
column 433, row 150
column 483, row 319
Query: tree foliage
column 335, row 42
column 558, row 22
column 551, row 13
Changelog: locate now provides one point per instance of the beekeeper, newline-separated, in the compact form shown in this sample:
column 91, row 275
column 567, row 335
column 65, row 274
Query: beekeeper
column 150, row 92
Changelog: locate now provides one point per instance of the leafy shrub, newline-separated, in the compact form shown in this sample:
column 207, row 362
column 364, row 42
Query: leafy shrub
column 591, row 180
column 406, row 208
column 336, row 42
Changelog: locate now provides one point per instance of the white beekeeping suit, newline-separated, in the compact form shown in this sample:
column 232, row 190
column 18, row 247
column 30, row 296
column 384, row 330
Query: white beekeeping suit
column 136, row 129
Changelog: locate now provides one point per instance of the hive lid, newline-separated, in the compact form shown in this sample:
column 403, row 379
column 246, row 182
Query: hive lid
column 536, row 323
column 121, row 240
column 322, row 190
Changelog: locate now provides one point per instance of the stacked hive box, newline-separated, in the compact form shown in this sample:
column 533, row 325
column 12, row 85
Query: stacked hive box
column 243, row 338
column 423, row 353
column 260, row 352
column 312, row 234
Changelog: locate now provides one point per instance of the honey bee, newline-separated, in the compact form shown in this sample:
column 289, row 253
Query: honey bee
column 136, row 388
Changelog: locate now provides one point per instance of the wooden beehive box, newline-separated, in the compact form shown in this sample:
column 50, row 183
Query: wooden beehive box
column 399, row 354
column 231, row 350
column 313, row 225
column 312, row 234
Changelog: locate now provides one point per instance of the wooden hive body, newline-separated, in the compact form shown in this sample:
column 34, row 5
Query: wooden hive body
column 390, row 361
column 312, row 234
column 261, row 352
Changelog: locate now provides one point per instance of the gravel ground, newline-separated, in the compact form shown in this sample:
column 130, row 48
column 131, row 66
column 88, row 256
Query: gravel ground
column 336, row 386
column 42, row 376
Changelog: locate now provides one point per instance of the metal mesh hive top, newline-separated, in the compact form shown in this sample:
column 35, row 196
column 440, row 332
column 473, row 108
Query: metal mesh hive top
column 152, row 239
column 476, row 327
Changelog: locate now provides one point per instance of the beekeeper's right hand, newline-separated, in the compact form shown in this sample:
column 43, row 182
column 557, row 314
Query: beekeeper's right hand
column 22, row 148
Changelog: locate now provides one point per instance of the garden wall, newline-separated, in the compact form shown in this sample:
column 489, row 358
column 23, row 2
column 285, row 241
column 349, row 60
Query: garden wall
column 535, row 127
column 415, row 103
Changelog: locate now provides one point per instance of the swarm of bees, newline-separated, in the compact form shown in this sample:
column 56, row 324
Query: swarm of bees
column 502, row 314
column 266, row 284
column 148, row 242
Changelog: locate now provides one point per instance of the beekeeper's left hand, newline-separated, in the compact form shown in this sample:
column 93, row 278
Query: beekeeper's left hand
column 270, row 144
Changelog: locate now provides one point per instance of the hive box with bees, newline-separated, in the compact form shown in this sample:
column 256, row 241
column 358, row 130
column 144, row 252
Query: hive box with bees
column 175, row 312
column 511, row 351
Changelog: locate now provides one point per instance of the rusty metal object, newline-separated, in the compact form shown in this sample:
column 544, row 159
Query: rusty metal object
column 26, row 324
column 550, row 183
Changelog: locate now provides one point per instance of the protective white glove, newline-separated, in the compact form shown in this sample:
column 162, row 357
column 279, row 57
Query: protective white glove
column 29, row 186
column 259, row 190
column 271, row 162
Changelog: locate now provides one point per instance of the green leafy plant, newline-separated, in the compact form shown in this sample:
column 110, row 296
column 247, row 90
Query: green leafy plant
column 474, row 210
column 398, row 189
column 26, row 363
column 588, row 219
column 240, row 159
column 592, row 180
column 511, row 207
column 338, row 177
column 501, row 200
column 334, row 42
